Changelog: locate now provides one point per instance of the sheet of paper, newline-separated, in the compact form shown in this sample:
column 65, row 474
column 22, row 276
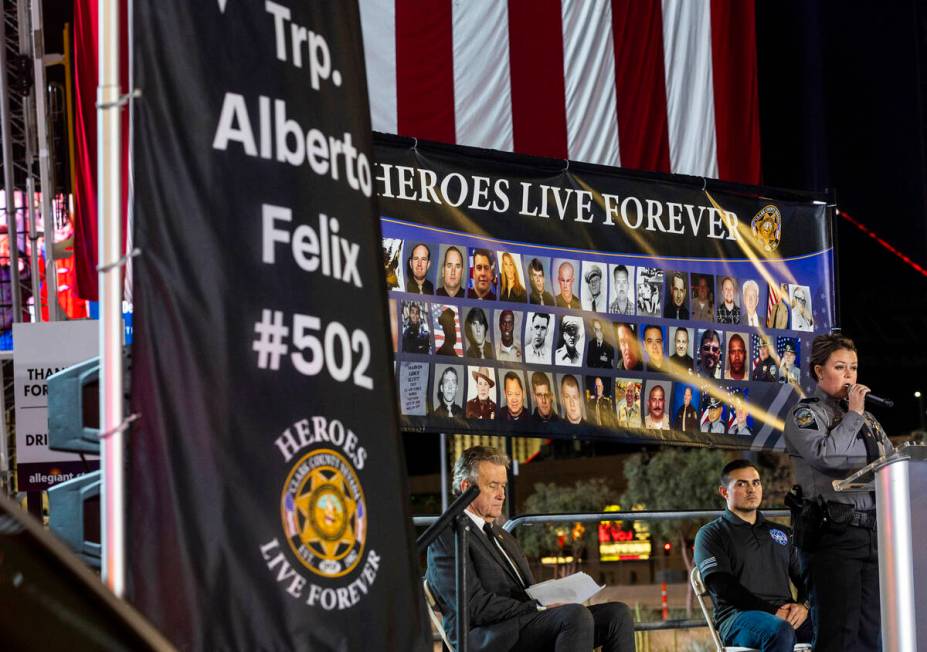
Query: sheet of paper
column 577, row 587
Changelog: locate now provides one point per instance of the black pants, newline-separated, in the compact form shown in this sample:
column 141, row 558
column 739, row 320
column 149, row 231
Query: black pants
column 843, row 571
column 575, row 628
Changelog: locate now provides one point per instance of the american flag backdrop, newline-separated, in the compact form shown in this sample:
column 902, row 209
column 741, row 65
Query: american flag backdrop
column 755, row 341
column 668, row 86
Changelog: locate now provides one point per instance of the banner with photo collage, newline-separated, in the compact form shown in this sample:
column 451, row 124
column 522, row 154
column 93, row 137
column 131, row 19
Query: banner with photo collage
column 550, row 298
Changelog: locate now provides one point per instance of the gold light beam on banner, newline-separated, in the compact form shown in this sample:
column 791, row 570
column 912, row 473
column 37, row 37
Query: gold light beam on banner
column 746, row 241
column 681, row 374
column 638, row 239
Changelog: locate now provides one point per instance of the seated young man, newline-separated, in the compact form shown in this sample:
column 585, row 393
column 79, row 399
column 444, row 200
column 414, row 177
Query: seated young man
column 746, row 562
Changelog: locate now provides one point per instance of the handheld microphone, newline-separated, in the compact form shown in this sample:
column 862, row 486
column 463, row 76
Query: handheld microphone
column 876, row 401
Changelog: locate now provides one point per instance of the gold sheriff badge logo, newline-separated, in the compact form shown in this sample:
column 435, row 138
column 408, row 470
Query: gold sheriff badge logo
column 324, row 513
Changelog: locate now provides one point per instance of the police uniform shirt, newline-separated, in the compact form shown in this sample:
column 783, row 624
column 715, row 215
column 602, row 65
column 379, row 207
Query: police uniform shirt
column 506, row 415
column 800, row 322
column 541, row 355
column 766, row 371
column 562, row 357
column 653, row 424
column 788, row 374
column 427, row 287
column 686, row 419
column 415, row 340
column 472, row 294
column 629, row 417
column 550, row 418
column 509, row 353
column 541, row 298
column 739, row 429
column 601, row 411
column 761, row 557
column 561, row 303
column 684, row 361
column 594, row 303
column 827, row 442
column 702, row 311
column 477, row 409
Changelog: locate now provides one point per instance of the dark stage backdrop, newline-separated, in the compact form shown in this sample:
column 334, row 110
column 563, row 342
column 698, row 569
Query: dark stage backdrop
column 539, row 297
column 266, row 491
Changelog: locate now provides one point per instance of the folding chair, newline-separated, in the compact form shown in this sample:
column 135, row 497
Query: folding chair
column 434, row 612
column 701, row 592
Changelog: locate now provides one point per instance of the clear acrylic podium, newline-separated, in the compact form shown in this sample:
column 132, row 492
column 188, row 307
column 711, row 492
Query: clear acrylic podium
column 900, row 482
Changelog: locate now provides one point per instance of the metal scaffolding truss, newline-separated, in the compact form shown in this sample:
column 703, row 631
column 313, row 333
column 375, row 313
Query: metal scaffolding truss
column 26, row 148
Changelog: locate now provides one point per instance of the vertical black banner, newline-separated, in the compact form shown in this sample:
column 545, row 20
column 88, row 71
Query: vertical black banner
column 266, row 497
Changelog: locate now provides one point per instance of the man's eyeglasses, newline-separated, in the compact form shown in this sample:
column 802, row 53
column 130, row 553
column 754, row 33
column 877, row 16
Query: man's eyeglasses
column 711, row 348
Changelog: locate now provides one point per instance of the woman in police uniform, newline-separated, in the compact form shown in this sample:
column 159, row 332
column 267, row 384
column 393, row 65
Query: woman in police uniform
column 829, row 435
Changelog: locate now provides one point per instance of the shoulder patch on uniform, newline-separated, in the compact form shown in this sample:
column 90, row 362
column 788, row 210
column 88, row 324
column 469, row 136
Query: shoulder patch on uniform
column 810, row 399
column 804, row 417
column 779, row 536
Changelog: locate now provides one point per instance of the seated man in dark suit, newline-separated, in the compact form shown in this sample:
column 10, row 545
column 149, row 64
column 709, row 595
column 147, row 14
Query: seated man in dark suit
column 502, row 616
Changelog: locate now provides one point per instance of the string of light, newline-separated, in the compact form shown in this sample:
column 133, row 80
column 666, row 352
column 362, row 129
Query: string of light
column 884, row 243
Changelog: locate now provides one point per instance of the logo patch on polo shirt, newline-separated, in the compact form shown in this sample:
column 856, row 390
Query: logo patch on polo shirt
column 779, row 537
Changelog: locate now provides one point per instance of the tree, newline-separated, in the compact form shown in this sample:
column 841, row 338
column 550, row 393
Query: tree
column 674, row 479
column 572, row 539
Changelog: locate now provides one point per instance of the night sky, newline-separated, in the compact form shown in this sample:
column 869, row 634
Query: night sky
column 841, row 87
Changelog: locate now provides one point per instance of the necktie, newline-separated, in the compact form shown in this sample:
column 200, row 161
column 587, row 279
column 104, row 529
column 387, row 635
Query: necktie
column 593, row 305
column 487, row 528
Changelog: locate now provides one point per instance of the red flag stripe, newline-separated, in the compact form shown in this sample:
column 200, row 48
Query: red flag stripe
column 733, row 46
column 640, row 84
column 425, row 70
column 539, row 124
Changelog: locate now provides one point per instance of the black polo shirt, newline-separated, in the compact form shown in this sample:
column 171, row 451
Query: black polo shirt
column 761, row 556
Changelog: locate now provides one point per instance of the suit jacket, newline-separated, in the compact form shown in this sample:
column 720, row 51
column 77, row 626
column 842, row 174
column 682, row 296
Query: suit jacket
column 600, row 355
column 498, row 604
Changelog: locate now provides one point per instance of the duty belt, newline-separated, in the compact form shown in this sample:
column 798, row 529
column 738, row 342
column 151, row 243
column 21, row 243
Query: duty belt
column 865, row 519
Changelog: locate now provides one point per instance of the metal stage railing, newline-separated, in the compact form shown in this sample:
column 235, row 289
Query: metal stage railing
column 531, row 519
column 510, row 525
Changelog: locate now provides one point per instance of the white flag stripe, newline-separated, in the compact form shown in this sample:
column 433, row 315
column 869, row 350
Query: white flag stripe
column 482, row 87
column 589, row 80
column 378, row 23
column 482, row 80
column 690, row 87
